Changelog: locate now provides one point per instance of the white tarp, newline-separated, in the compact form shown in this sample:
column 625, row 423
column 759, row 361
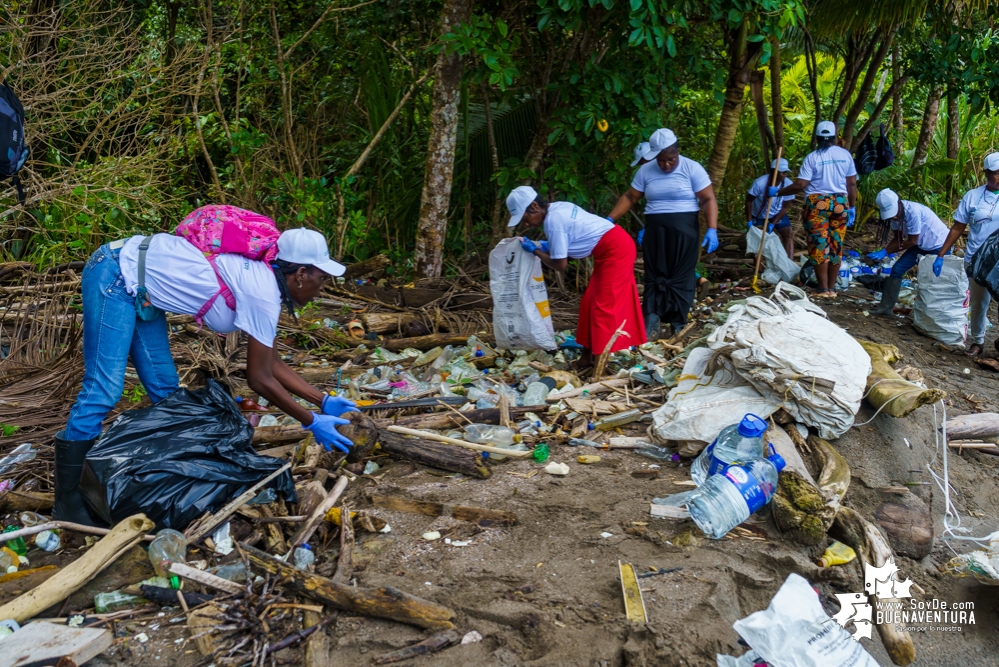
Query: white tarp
column 778, row 266
column 941, row 307
column 521, row 315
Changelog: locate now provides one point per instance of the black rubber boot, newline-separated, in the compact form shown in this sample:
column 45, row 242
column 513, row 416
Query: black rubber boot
column 889, row 295
column 69, row 458
column 651, row 326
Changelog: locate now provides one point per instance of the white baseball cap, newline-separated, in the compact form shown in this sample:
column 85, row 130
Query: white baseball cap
column 887, row 202
column 305, row 246
column 991, row 162
column 660, row 139
column 826, row 128
column 784, row 166
column 640, row 151
column 518, row 201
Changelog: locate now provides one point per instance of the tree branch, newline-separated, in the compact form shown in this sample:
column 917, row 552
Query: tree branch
column 354, row 168
column 322, row 17
column 875, row 115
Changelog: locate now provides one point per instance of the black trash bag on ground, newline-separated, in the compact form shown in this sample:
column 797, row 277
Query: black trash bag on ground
column 187, row 455
column 984, row 268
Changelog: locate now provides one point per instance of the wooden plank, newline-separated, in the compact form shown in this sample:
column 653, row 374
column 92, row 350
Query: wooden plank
column 205, row 578
column 634, row 604
column 43, row 643
column 514, row 454
column 595, row 388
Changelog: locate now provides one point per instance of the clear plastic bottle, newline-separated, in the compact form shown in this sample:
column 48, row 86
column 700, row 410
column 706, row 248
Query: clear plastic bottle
column 619, row 419
column 105, row 603
column 169, row 546
column 738, row 443
column 304, row 558
column 8, row 561
column 19, row 454
column 731, row 496
column 31, row 519
column 233, row 572
column 48, row 540
column 655, row 452
column 491, row 434
column 538, row 391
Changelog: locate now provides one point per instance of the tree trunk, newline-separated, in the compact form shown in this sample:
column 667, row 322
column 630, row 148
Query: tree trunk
column 776, row 100
column 813, row 82
column 927, row 128
column 850, row 124
column 896, row 86
column 740, row 67
column 767, row 142
column 497, row 225
column 953, row 125
column 436, row 197
column 896, row 103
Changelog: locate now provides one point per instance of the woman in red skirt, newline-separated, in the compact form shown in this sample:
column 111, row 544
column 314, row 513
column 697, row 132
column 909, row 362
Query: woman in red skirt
column 611, row 298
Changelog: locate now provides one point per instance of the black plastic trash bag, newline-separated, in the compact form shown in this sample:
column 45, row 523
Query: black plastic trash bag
column 187, row 455
column 984, row 268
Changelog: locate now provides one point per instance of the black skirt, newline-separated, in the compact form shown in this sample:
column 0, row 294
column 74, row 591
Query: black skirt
column 670, row 250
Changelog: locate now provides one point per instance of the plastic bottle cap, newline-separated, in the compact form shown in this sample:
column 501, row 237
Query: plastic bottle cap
column 778, row 461
column 308, row 547
column 548, row 382
column 752, row 426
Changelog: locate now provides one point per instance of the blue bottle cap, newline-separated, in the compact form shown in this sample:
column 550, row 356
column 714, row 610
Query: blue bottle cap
column 777, row 460
column 752, row 426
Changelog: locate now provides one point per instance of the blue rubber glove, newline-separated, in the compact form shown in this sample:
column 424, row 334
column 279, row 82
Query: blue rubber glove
column 641, row 236
column 851, row 216
column 711, row 240
column 323, row 427
column 544, row 247
column 607, row 217
column 878, row 255
column 772, row 191
column 937, row 266
column 335, row 406
column 528, row 245
column 749, row 224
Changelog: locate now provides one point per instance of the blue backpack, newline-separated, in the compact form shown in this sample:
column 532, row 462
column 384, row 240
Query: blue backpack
column 13, row 149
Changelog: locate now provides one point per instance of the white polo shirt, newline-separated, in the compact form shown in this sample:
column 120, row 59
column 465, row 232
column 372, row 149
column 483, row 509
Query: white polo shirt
column 673, row 192
column 573, row 232
column 979, row 210
column 920, row 219
column 759, row 190
column 827, row 170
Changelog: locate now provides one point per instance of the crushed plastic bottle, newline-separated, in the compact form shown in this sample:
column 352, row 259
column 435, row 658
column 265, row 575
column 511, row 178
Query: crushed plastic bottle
column 619, row 419
column 16, row 545
column 169, row 546
column 304, row 558
column 105, row 603
column 48, row 540
column 9, row 560
column 729, row 497
column 541, row 452
column 19, row 454
column 491, row 434
column 538, row 391
column 738, row 443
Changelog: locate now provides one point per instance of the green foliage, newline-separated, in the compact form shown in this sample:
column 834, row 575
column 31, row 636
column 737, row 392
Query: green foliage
column 7, row 430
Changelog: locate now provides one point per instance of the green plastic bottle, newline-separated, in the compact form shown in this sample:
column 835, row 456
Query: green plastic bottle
column 541, row 452
column 16, row 545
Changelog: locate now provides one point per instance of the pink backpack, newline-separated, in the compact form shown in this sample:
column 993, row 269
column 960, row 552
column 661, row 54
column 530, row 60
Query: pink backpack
column 218, row 229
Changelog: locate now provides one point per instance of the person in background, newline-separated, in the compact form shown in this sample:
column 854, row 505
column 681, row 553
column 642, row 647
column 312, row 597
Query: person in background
column 916, row 231
column 978, row 212
column 757, row 198
column 828, row 177
column 675, row 190
column 179, row 279
column 611, row 297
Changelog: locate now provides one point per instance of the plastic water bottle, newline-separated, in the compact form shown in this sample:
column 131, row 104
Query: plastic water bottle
column 489, row 434
column 304, row 558
column 105, row 603
column 738, row 443
column 731, row 496
column 538, row 391
column 169, row 546
column 48, row 540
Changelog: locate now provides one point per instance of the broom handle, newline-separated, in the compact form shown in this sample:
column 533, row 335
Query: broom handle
column 766, row 219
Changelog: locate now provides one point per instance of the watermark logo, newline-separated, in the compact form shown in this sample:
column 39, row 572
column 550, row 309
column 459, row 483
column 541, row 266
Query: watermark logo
column 889, row 592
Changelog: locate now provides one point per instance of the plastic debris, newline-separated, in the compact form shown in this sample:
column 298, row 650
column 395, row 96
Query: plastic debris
column 432, row 535
column 837, row 554
column 559, row 469
column 588, row 458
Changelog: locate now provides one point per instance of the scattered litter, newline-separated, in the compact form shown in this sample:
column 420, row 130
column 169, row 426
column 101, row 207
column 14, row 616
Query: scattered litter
column 559, row 469
column 605, row 535
column 223, row 540
column 837, row 554
column 471, row 637
column 634, row 604
column 967, row 371
column 588, row 458
column 461, row 543
column 983, row 564
column 142, row 637
column 432, row 535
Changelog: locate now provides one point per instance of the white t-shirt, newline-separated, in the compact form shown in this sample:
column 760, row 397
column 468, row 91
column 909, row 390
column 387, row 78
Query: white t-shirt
column 922, row 220
column 180, row 280
column 979, row 209
column 827, row 170
column 672, row 192
column 759, row 190
column 573, row 232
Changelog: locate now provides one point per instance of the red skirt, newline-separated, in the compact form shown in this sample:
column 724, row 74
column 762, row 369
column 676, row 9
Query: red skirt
column 612, row 296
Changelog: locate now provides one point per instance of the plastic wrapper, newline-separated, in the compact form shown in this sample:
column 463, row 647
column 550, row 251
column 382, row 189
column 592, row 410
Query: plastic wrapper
column 187, row 455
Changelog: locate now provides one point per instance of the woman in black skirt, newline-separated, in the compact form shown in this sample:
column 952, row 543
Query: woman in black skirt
column 675, row 189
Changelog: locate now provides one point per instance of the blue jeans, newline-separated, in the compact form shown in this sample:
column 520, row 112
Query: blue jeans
column 111, row 334
column 909, row 259
column 776, row 224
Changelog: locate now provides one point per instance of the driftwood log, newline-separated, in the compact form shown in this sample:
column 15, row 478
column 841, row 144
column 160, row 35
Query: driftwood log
column 26, row 501
column 805, row 510
column 434, row 455
column 385, row 602
column 982, row 426
column 425, row 342
column 367, row 267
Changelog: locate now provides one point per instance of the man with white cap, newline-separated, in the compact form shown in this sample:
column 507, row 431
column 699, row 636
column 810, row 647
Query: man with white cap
column 828, row 177
column 675, row 190
column 978, row 212
column 228, row 291
column 757, row 200
column 916, row 231
column 611, row 296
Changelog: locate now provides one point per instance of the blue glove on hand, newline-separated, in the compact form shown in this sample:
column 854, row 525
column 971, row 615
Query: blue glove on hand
column 544, row 247
column 711, row 240
column 323, row 427
column 528, row 245
column 851, row 216
column 749, row 224
column 772, row 191
column 878, row 255
column 641, row 236
column 937, row 266
column 334, row 406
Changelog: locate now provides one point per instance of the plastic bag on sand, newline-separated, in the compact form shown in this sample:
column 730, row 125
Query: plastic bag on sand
column 785, row 349
column 521, row 315
column 703, row 402
column 941, row 307
column 778, row 266
column 187, row 455
column 983, row 564
column 794, row 631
